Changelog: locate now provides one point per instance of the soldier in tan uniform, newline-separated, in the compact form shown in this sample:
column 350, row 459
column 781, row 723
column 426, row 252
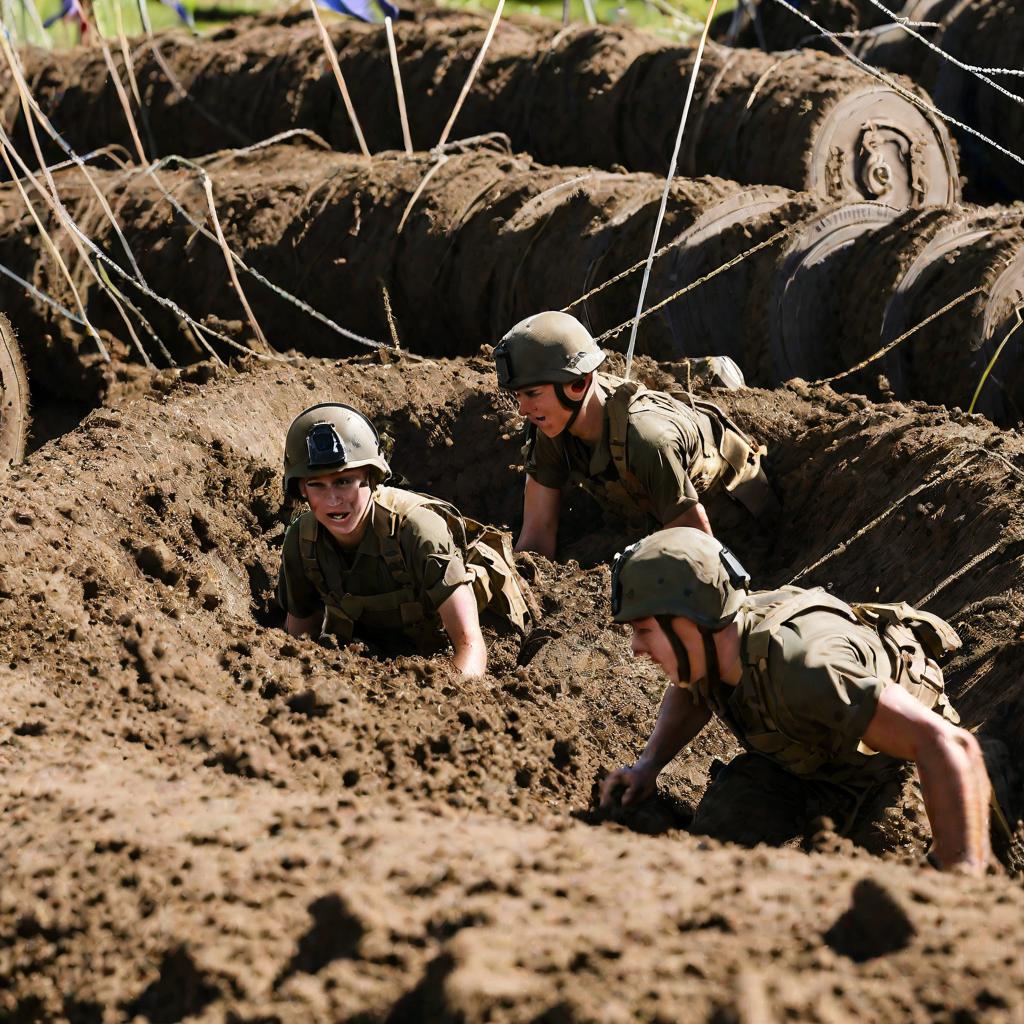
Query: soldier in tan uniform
column 369, row 562
column 826, row 697
column 642, row 452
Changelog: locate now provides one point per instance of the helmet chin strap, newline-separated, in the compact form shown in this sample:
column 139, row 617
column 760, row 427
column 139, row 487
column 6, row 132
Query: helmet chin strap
column 566, row 402
column 678, row 649
column 701, row 688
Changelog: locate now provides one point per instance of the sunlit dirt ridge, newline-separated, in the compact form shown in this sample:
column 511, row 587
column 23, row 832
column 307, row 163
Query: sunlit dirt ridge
column 205, row 816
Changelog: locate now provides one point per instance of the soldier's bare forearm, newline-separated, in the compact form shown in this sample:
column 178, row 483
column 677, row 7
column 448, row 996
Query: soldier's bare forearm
column 956, row 793
column 953, row 778
column 537, row 542
column 541, row 508
column 461, row 622
column 679, row 721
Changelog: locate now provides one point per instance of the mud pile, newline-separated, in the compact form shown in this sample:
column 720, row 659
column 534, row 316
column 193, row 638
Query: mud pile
column 584, row 95
column 489, row 239
column 206, row 816
column 862, row 278
column 468, row 246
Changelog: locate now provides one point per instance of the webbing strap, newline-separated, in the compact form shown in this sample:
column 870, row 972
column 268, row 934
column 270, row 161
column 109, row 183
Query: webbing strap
column 309, row 531
column 617, row 406
column 759, row 638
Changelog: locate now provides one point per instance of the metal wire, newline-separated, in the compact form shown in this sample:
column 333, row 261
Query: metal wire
column 668, row 184
column 896, row 87
column 978, row 72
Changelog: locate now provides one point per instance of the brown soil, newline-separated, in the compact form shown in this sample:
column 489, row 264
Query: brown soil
column 491, row 239
column 204, row 817
column 579, row 96
column 894, row 275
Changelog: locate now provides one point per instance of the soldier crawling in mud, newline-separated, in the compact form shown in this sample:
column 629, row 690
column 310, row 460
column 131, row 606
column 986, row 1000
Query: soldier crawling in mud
column 640, row 451
column 368, row 562
column 831, row 701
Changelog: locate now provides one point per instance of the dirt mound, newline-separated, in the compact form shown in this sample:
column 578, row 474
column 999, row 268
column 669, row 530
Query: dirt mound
column 490, row 238
column 583, row 95
column 467, row 247
column 203, row 815
column 862, row 278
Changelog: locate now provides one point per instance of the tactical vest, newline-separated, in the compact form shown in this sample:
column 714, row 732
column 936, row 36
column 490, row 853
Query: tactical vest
column 487, row 554
column 913, row 640
column 730, row 457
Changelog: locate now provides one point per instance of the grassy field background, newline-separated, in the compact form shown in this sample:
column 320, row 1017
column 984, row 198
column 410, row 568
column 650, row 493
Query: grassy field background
column 672, row 18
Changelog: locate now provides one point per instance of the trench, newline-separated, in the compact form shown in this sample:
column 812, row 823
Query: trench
column 186, row 546
column 355, row 817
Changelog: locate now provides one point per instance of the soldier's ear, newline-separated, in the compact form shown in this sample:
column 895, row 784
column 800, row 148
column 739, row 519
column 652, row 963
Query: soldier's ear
column 581, row 386
column 302, row 489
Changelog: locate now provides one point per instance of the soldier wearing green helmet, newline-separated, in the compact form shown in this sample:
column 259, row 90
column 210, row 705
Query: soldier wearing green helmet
column 642, row 452
column 371, row 562
column 831, row 701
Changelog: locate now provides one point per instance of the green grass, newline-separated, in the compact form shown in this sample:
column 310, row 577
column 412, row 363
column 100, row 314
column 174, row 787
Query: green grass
column 675, row 19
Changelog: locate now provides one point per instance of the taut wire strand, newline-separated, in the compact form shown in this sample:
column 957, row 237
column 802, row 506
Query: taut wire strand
column 981, row 73
column 229, row 262
column 883, row 515
column 42, row 296
column 721, row 269
column 668, row 183
column 896, row 87
column 885, row 349
column 470, row 78
column 403, row 114
column 332, row 57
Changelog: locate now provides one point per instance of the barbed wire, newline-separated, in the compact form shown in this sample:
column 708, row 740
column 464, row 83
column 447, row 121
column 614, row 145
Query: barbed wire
column 839, row 548
column 889, row 346
column 42, row 296
column 896, row 87
column 728, row 265
column 980, row 72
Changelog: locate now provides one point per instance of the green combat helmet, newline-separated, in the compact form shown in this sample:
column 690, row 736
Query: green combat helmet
column 682, row 572
column 327, row 438
column 547, row 348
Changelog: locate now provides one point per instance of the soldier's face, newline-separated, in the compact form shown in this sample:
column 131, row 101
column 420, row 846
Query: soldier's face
column 649, row 641
column 340, row 501
column 540, row 405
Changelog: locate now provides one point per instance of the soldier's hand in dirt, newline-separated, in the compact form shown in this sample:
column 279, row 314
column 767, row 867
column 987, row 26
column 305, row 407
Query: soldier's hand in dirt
column 628, row 786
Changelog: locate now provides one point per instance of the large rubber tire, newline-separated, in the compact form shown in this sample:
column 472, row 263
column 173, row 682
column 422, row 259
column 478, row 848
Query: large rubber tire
column 13, row 397
column 945, row 364
column 804, row 305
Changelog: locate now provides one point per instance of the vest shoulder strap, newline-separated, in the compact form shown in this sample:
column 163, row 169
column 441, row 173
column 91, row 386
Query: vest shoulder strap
column 309, row 533
column 791, row 603
column 935, row 634
column 392, row 507
column 617, row 407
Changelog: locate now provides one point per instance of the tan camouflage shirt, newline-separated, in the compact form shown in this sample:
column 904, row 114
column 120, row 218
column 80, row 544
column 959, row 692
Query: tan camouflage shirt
column 810, row 704
column 431, row 555
column 665, row 453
